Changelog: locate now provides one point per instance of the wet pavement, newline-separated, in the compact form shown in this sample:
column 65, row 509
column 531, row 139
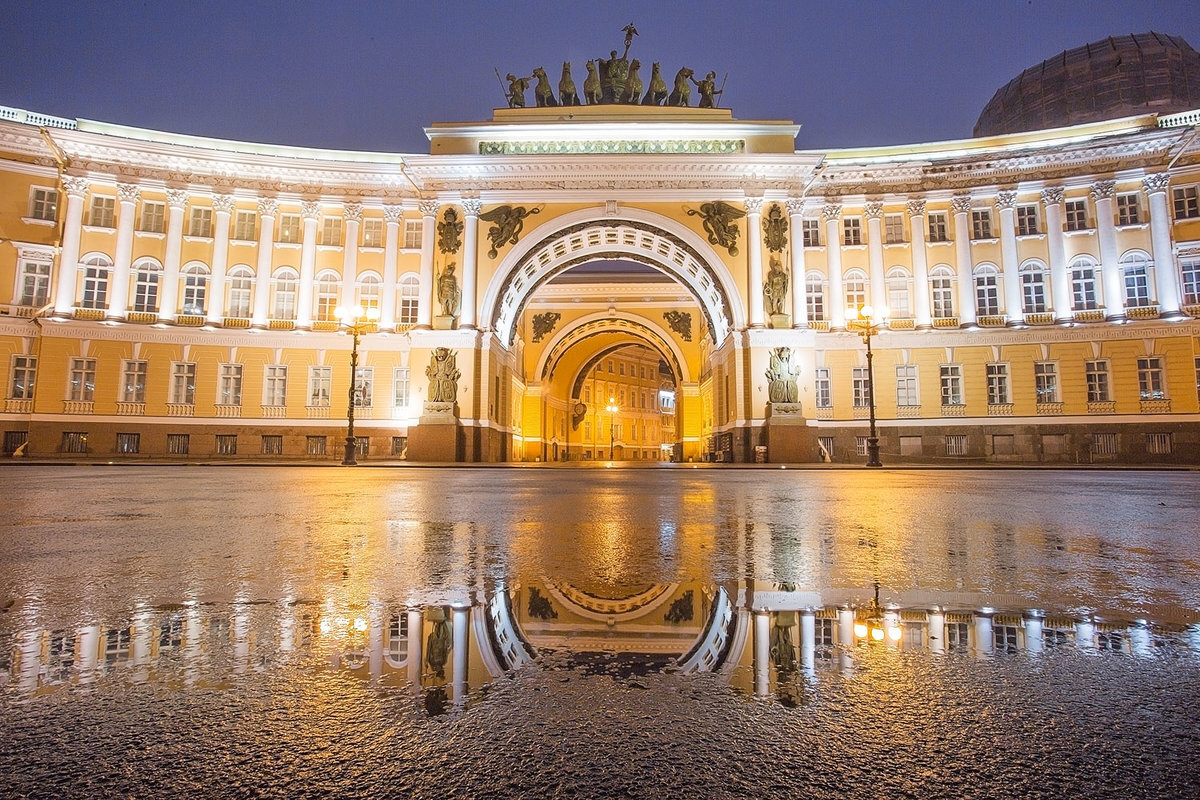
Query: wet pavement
column 305, row 631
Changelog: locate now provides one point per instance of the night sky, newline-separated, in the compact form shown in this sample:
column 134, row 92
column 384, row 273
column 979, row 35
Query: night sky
column 370, row 76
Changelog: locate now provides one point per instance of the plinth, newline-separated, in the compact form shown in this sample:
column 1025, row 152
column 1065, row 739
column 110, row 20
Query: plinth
column 780, row 321
column 436, row 436
column 443, row 322
column 788, row 438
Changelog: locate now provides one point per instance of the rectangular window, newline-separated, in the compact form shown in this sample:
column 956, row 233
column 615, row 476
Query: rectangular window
column 1076, row 215
column 243, row 225
column 1098, row 389
column 74, row 441
column 851, row 231
column 1045, row 381
column 400, row 388
column 14, row 439
column 183, row 383
column 178, row 444
column 860, row 445
column 811, row 229
column 893, row 228
column 825, row 446
column 229, row 385
column 275, row 385
column 1129, row 210
column 372, row 233
column 153, row 217
column 951, row 377
column 907, row 393
column 1190, row 272
column 104, row 212
column 133, row 382
column 956, row 445
column 315, row 445
column 860, row 387
column 24, row 373
column 82, row 385
column 1150, row 378
column 981, row 223
column 364, row 387
column 824, row 388
column 987, row 294
column 1033, row 291
column 413, row 229
column 1004, row 638
column 938, row 227
column 272, row 444
column 35, row 283
column 943, row 297
column 289, row 228
column 201, row 223
column 997, row 385
column 43, row 204
column 1187, row 202
column 1027, row 220
column 1104, row 444
column 227, row 444
column 319, row 380
column 145, row 290
column 129, row 443
column 331, row 232
column 399, row 446
column 815, row 298
column 1160, row 444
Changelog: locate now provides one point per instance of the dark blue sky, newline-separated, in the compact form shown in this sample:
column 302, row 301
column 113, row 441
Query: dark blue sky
column 370, row 76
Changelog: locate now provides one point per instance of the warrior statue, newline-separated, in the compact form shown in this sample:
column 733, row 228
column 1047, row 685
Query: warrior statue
column 775, row 288
column 516, row 90
column 443, row 376
column 448, row 291
column 708, row 89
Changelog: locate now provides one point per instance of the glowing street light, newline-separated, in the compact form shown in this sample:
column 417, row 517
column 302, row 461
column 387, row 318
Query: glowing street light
column 863, row 320
column 356, row 322
column 612, row 408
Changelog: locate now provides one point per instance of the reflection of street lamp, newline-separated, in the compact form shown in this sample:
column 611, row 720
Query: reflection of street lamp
column 877, row 625
column 612, row 408
column 862, row 320
column 356, row 321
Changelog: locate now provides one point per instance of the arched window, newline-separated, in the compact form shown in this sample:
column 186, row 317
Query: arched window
column 241, row 279
column 941, row 284
column 898, row 293
column 1083, row 284
column 147, row 273
column 856, row 288
column 367, row 290
column 327, row 296
column 1033, row 287
column 96, row 270
column 987, row 290
column 410, row 290
column 195, row 288
column 284, row 304
column 1135, row 269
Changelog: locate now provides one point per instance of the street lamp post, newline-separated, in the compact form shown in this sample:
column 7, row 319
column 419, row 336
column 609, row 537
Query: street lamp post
column 862, row 319
column 612, row 409
column 356, row 322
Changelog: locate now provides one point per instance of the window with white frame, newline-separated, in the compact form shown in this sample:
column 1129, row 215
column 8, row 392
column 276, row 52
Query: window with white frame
column 856, row 289
column 331, row 231
column 1189, row 269
column 289, row 228
column 1083, row 284
column 400, row 388
column 851, row 230
column 1186, row 202
column 938, row 226
column 1027, row 220
column 104, row 212
column 893, row 228
column 1135, row 268
column 952, row 389
column 146, row 277
column 244, row 224
column 81, row 380
column 229, row 385
column 1129, row 209
column 1150, row 378
column 154, row 217
column 1033, row 288
column 987, row 290
column 811, row 231
column 240, row 281
column 133, row 382
column 997, row 384
column 328, row 288
column 898, row 294
column 823, row 386
column 200, row 223
column 860, row 387
column 1045, row 381
column 43, row 203
column 907, row 391
column 1076, row 215
column 284, row 286
column 368, row 290
column 364, row 387
column 981, row 223
column 1098, row 385
column 814, row 295
column 410, row 290
column 860, row 445
column 183, row 383
column 319, row 382
column 412, row 234
column 23, row 375
column 372, row 233
column 35, row 283
column 275, row 385
column 94, row 292
column 195, row 288
column 941, row 284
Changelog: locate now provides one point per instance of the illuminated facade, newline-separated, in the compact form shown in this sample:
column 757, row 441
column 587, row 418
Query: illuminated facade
column 172, row 297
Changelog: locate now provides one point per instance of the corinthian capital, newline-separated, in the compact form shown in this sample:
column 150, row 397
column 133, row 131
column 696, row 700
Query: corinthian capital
column 222, row 203
column 916, row 208
column 75, row 186
column 268, row 206
column 471, row 208
column 754, row 205
column 1153, row 184
column 795, row 206
column 1103, row 190
column 428, row 208
column 1006, row 200
column 177, row 198
column 960, row 203
column 352, row 212
column 831, row 210
column 310, row 209
column 393, row 213
column 1052, row 196
column 128, row 192
column 874, row 210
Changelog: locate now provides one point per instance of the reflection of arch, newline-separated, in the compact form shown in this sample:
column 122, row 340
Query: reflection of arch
column 595, row 324
column 592, row 606
column 588, row 235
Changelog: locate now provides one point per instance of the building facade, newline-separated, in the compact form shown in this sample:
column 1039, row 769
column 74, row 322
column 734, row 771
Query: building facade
column 174, row 297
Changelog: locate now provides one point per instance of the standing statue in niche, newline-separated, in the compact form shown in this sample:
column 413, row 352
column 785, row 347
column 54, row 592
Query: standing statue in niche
column 449, row 294
column 775, row 288
column 443, row 376
column 782, row 374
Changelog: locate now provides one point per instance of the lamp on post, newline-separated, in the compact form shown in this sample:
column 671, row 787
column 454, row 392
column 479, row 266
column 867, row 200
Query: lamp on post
column 356, row 322
column 863, row 320
column 612, row 408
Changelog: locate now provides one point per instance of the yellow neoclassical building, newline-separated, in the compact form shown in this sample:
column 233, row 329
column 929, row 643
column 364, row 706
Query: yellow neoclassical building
column 175, row 297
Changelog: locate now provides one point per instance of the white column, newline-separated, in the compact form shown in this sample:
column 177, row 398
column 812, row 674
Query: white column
column 240, row 634
column 310, row 210
column 68, row 260
column 375, row 642
column 984, row 640
column 169, row 304
column 391, row 245
column 118, row 289
column 762, row 652
column 845, row 618
column 1085, row 634
column 836, row 300
column 937, row 630
column 799, row 283
column 754, row 275
column 1110, row 270
column 416, row 641
column 961, row 205
column 1166, row 274
column 1006, row 203
column 1140, row 641
column 462, row 615
column 352, row 214
column 922, row 318
column 87, row 652
column 808, row 642
column 1033, row 631
column 468, row 314
column 267, row 209
column 874, row 214
column 425, row 301
column 27, row 660
column 1060, row 284
column 222, row 210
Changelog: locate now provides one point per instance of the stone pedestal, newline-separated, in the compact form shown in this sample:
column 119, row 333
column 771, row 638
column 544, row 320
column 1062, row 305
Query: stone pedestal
column 788, row 438
column 437, row 436
column 780, row 321
column 443, row 322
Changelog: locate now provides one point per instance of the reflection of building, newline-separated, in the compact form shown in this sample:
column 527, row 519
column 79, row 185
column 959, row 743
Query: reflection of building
column 173, row 296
